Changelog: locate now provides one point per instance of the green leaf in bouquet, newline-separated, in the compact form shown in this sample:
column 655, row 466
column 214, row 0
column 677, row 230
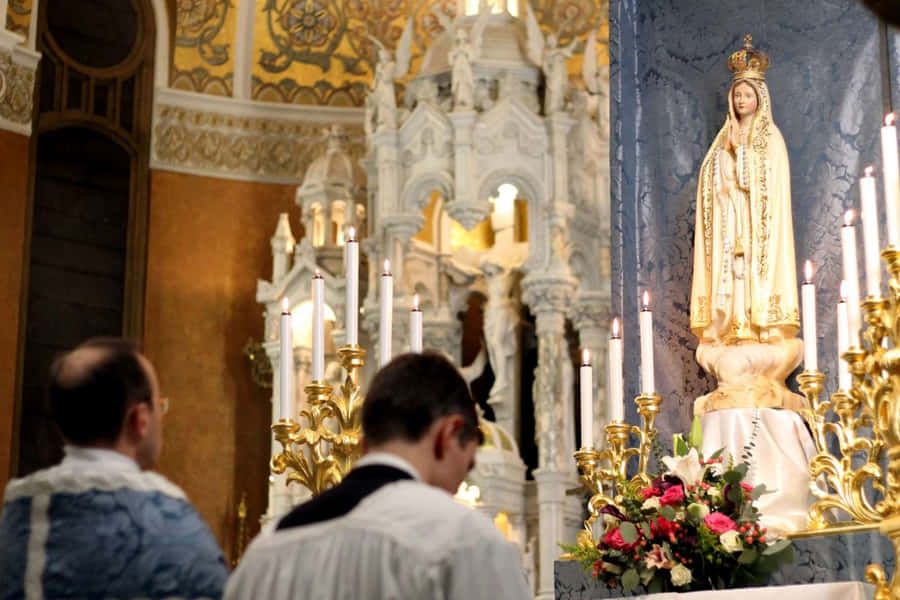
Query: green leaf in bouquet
column 777, row 547
column 747, row 512
column 611, row 568
column 657, row 585
column 760, row 491
column 735, row 474
column 629, row 532
column 695, row 437
column 717, row 454
column 630, row 580
column 645, row 528
column 735, row 493
column 679, row 445
column 748, row 556
column 668, row 513
column 647, row 576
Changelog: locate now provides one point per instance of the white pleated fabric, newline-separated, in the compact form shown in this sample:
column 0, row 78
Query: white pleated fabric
column 406, row 540
column 780, row 459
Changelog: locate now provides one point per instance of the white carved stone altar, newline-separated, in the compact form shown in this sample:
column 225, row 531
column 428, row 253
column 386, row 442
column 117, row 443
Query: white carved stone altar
column 472, row 147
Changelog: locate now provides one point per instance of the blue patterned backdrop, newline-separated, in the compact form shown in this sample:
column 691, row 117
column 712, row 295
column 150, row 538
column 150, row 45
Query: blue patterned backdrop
column 669, row 98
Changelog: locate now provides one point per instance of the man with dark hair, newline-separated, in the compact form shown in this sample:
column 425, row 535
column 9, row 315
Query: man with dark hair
column 100, row 524
column 391, row 528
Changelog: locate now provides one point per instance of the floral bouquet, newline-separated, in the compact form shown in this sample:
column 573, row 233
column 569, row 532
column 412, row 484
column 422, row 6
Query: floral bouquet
column 695, row 527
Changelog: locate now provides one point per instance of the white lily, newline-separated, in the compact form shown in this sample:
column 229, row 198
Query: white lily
column 687, row 468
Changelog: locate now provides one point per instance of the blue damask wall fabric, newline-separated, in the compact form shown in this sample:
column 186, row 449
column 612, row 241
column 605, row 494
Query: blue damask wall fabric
column 669, row 81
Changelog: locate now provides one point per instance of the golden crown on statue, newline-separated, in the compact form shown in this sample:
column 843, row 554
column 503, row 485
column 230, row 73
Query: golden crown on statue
column 749, row 63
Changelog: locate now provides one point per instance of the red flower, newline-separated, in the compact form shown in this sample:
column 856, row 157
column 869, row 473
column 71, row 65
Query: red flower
column 615, row 541
column 663, row 527
column 718, row 523
column 747, row 487
column 650, row 492
column 673, row 495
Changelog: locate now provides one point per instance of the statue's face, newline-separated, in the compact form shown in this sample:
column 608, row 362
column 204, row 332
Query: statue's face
column 744, row 99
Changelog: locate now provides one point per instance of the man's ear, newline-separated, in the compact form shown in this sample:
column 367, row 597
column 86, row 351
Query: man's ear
column 137, row 421
column 447, row 433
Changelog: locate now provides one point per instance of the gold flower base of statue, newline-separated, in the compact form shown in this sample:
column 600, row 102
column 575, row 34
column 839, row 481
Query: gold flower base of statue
column 602, row 471
column 320, row 452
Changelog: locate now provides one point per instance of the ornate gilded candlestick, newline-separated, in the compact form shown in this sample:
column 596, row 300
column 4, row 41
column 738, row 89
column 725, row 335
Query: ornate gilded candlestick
column 602, row 470
column 319, row 453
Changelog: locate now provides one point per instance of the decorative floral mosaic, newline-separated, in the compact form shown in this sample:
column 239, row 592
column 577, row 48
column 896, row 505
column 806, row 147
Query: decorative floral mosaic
column 204, row 46
column 18, row 16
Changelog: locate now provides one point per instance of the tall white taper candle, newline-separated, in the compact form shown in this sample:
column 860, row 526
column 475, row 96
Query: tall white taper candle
column 843, row 329
column 646, row 325
column 851, row 278
column 386, row 326
column 318, row 327
column 808, row 293
column 871, row 245
column 415, row 326
column 587, row 400
column 616, row 403
column 351, row 271
column 891, row 179
column 286, row 363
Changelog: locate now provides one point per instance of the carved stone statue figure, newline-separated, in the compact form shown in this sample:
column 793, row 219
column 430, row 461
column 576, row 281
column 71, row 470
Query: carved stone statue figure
column 744, row 295
column 552, row 59
column 388, row 69
column 462, row 82
column 501, row 317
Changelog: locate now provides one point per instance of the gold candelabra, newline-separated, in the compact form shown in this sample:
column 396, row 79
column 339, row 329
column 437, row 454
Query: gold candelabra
column 602, row 470
column 861, row 424
column 320, row 449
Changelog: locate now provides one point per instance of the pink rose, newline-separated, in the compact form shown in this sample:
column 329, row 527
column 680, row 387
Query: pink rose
column 719, row 523
column 747, row 487
column 657, row 558
column 615, row 541
column 673, row 495
column 650, row 492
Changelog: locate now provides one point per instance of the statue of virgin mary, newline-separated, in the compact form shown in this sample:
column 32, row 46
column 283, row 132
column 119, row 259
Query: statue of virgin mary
column 744, row 298
column 744, row 288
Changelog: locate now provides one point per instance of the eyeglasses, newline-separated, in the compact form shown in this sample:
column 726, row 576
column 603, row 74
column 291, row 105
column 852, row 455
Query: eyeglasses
column 163, row 405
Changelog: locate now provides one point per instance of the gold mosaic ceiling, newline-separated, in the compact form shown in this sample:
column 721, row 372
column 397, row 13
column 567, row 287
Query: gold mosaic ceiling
column 318, row 51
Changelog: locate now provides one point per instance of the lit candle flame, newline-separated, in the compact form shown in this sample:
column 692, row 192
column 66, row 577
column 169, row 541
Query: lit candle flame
column 889, row 119
column 318, row 274
column 808, row 271
column 848, row 218
column 843, row 292
column 586, row 357
column 387, row 267
column 284, row 305
column 351, row 234
column 416, row 302
column 645, row 301
column 615, row 328
column 868, row 171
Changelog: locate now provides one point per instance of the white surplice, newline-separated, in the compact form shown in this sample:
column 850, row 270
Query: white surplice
column 405, row 540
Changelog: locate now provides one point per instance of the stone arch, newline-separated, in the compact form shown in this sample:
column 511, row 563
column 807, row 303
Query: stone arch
column 532, row 190
column 417, row 190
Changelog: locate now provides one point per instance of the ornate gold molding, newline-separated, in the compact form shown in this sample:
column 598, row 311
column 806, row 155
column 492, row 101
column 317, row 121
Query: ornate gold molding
column 17, row 70
column 234, row 139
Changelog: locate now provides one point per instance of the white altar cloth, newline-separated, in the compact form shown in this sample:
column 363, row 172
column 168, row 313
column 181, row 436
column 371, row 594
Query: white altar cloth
column 841, row 590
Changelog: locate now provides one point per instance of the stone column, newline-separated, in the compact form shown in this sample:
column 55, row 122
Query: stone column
column 590, row 314
column 465, row 206
column 548, row 295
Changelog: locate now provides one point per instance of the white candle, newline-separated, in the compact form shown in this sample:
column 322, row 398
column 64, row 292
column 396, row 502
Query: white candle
column 616, row 404
column 843, row 329
column 851, row 278
column 808, row 293
column 871, row 246
column 415, row 326
column 587, row 400
column 891, row 179
column 318, row 327
column 646, row 326
column 385, row 327
column 286, row 363
column 351, row 271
